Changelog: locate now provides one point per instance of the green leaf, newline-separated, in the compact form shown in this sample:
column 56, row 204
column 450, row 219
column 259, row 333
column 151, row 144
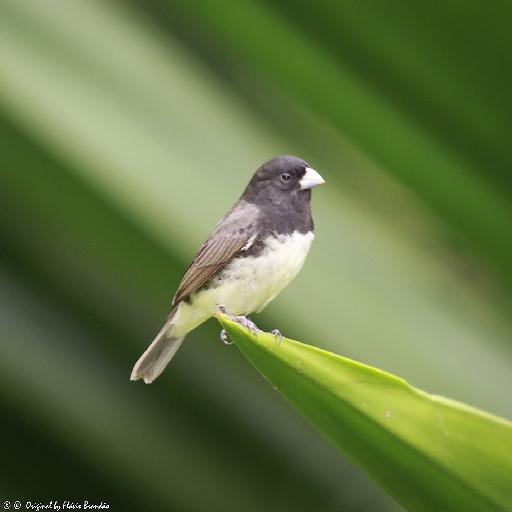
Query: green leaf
column 428, row 452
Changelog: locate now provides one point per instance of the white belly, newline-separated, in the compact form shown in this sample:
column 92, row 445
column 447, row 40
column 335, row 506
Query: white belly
column 250, row 283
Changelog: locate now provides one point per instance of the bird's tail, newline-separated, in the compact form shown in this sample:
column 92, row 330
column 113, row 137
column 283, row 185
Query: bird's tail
column 157, row 356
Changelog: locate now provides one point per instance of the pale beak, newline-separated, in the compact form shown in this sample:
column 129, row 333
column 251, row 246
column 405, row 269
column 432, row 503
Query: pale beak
column 310, row 179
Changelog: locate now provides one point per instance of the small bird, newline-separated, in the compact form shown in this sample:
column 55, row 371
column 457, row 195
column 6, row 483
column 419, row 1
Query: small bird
column 251, row 255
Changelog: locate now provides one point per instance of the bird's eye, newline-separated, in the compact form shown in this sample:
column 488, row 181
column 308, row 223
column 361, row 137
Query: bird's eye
column 286, row 177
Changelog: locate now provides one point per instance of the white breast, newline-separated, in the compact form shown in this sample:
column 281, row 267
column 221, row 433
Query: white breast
column 250, row 283
column 260, row 278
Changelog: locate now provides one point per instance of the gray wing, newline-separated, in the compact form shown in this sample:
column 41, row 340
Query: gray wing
column 235, row 233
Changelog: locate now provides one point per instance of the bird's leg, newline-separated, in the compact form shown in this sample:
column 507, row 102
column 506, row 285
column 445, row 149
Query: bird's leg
column 278, row 335
column 224, row 336
column 242, row 320
column 246, row 322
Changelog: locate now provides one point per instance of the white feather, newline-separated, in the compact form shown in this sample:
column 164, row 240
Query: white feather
column 248, row 284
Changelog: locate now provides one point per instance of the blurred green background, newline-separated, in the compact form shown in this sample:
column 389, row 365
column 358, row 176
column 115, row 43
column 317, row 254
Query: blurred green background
column 128, row 128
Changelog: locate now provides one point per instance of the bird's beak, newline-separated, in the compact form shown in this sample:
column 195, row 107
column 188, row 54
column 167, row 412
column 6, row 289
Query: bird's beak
column 310, row 179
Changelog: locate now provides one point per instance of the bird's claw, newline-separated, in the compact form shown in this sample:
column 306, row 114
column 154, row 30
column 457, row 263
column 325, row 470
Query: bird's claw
column 246, row 322
column 224, row 337
column 278, row 335
column 242, row 320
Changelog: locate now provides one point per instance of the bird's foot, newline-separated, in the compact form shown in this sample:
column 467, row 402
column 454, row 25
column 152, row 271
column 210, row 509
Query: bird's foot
column 246, row 322
column 224, row 337
column 242, row 320
column 278, row 335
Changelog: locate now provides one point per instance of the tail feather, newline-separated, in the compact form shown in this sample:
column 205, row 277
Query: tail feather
column 157, row 356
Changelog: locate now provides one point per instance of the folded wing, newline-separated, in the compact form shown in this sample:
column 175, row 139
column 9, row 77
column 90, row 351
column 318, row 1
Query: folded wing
column 234, row 234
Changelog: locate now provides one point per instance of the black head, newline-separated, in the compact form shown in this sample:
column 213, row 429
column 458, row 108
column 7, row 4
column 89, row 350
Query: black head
column 282, row 178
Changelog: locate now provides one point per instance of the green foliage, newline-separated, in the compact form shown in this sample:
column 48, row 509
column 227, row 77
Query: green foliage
column 428, row 452
column 128, row 128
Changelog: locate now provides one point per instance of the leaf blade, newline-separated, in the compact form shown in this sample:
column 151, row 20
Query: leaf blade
column 426, row 451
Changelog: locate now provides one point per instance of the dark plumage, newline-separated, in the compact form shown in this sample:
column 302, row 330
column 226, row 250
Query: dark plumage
column 285, row 208
column 250, row 256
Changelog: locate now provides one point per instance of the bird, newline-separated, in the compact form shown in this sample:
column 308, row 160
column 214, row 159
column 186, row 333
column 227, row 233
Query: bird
column 251, row 255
